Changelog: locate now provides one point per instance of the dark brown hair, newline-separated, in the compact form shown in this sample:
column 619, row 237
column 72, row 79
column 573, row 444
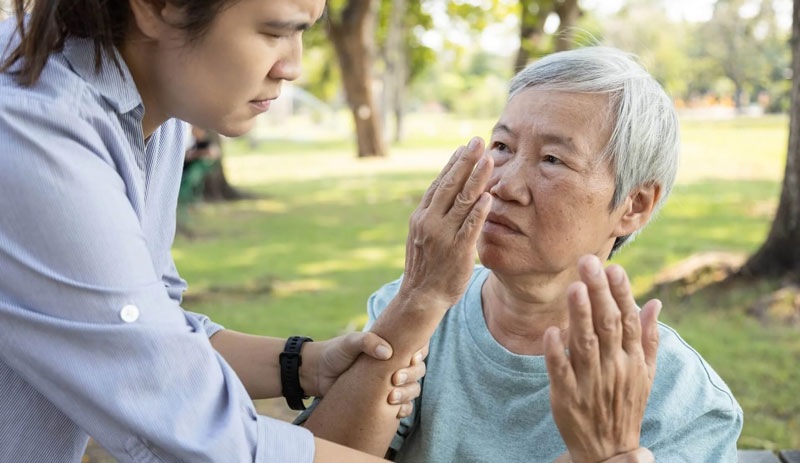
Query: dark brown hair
column 104, row 21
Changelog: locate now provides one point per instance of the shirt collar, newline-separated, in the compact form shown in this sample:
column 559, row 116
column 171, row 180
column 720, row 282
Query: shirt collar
column 117, row 88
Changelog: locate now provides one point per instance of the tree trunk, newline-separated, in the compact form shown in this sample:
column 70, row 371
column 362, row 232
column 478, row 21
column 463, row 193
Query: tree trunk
column 395, row 75
column 531, row 30
column 780, row 253
column 568, row 14
column 352, row 34
column 215, row 185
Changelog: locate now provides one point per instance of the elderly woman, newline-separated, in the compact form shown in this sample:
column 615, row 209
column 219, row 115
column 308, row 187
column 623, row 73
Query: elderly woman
column 584, row 154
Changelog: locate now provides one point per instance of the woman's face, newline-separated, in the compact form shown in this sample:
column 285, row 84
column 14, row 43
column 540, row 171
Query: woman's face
column 551, row 187
column 232, row 72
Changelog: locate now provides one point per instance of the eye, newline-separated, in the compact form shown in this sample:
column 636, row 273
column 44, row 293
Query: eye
column 550, row 159
column 500, row 152
column 499, row 146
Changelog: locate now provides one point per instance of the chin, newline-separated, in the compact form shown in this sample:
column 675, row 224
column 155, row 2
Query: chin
column 236, row 129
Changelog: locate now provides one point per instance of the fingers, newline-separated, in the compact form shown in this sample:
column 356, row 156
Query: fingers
column 368, row 343
column 405, row 410
column 649, row 326
column 583, row 342
column 411, row 374
column 455, row 188
column 605, row 313
column 405, row 394
column 426, row 198
column 562, row 377
column 631, row 327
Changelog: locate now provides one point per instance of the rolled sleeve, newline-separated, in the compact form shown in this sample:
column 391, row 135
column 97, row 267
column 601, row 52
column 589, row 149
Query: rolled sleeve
column 286, row 442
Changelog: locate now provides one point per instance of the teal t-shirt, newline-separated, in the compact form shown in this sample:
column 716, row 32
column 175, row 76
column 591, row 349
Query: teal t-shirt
column 482, row 403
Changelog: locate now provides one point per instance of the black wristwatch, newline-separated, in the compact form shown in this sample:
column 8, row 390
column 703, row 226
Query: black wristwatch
column 290, row 361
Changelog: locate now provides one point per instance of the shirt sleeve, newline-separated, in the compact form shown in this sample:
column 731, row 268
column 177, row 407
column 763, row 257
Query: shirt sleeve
column 176, row 286
column 692, row 414
column 89, row 323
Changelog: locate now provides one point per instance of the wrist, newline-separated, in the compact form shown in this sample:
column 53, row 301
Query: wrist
column 415, row 299
column 640, row 455
column 309, row 370
column 290, row 361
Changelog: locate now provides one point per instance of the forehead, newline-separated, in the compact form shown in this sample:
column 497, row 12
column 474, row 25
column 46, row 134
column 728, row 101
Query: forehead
column 583, row 117
column 289, row 11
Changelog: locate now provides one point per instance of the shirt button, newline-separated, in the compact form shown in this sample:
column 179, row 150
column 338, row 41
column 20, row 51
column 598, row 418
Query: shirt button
column 129, row 313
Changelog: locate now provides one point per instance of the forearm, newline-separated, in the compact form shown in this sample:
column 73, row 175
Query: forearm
column 329, row 452
column 254, row 359
column 355, row 412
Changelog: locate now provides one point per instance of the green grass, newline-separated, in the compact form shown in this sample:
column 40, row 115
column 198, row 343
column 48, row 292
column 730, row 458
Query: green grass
column 329, row 229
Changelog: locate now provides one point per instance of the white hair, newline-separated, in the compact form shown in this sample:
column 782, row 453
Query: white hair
column 645, row 142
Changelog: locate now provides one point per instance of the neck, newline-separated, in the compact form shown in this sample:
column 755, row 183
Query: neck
column 519, row 309
column 135, row 52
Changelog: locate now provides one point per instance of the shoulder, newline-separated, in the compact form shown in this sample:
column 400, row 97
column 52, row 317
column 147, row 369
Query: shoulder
column 691, row 409
column 687, row 389
column 680, row 366
column 58, row 88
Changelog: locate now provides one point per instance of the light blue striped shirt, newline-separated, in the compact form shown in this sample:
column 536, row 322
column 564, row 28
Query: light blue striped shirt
column 93, row 341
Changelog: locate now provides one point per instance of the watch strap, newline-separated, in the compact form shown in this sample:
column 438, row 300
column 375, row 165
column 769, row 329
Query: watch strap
column 290, row 361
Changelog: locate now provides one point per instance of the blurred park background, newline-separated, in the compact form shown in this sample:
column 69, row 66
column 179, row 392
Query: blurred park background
column 327, row 179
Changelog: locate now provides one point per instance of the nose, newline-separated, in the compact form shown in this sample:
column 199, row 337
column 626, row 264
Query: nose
column 508, row 183
column 290, row 65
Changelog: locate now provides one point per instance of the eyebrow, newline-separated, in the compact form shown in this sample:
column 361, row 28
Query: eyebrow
column 548, row 138
column 287, row 25
column 500, row 127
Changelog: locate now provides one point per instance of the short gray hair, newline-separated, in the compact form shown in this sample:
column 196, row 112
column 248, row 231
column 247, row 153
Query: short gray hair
column 645, row 141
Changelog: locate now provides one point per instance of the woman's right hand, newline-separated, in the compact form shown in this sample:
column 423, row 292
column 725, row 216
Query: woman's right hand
column 444, row 229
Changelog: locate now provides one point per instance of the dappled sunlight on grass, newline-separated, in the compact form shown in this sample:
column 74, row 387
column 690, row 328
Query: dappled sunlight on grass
column 734, row 149
column 267, row 205
column 290, row 287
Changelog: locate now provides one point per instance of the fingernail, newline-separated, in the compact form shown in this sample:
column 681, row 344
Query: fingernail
column 394, row 398
column 481, row 164
column 401, row 379
column 593, row 266
column 383, row 352
column 473, row 143
column 615, row 275
column 418, row 357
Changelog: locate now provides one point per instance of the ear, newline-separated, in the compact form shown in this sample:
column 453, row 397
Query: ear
column 638, row 208
column 153, row 18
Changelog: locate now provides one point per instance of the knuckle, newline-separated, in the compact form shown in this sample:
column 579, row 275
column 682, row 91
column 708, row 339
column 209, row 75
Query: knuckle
column 462, row 201
column 587, row 342
column 630, row 324
column 610, row 322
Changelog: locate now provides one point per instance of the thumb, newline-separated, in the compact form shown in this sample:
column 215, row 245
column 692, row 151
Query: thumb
column 649, row 320
column 373, row 345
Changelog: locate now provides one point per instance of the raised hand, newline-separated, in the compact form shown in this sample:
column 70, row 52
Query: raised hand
column 444, row 229
column 599, row 388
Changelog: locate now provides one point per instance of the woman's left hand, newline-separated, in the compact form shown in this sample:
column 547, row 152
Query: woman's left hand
column 599, row 389
column 329, row 359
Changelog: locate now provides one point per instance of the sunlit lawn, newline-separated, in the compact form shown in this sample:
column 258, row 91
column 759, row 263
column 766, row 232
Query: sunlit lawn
column 329, row 229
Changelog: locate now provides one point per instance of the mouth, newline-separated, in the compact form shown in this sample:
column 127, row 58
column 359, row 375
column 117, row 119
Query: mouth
column 500, row 224
column 261, row 104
